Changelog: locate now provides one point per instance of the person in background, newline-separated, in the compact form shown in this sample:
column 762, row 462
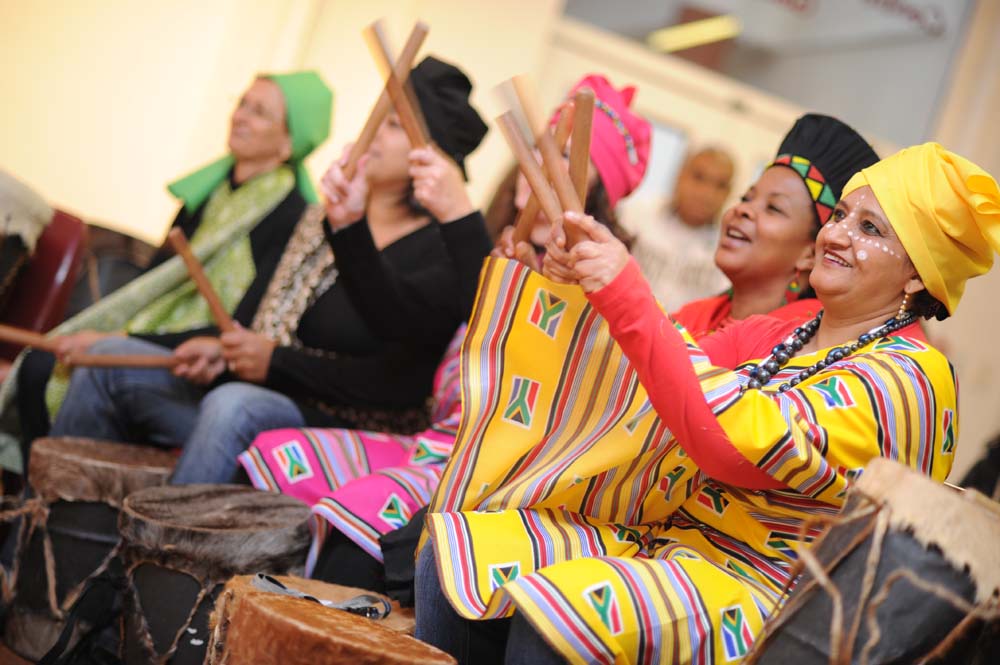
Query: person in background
column 675, row 242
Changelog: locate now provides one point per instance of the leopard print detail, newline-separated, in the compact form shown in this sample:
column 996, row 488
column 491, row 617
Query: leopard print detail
column 306, row 271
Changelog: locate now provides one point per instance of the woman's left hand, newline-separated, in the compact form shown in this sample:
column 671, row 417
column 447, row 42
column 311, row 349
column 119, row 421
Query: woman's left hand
column 593, row 262
column 247, row 354
column 345, row 200
column 438, row 185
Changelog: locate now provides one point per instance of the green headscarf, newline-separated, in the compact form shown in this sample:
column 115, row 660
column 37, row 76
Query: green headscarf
column 308, row 107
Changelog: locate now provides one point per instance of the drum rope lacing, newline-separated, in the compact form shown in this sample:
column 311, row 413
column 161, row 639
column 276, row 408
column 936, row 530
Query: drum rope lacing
column 37, row 512
column 841, row 648
column 206, row 587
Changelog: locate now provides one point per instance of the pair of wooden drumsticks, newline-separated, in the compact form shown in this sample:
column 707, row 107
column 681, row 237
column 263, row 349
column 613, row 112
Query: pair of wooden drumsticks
column 553, row 188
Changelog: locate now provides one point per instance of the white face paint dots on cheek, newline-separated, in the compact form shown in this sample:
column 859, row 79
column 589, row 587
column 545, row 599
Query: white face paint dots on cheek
column 857, row 236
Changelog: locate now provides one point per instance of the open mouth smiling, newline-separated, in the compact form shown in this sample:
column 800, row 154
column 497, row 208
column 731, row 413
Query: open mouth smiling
column 836, row 259
column 734, row 233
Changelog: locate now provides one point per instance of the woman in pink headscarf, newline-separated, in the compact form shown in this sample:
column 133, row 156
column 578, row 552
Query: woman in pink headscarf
column 619, row 154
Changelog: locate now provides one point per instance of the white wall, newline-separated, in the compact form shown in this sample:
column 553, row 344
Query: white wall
column 107, row 100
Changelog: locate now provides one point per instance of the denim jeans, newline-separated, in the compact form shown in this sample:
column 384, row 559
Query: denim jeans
column 152, row 406
column 507, row 641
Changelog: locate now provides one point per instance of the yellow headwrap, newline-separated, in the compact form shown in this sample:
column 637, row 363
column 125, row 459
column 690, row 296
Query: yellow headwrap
column 945, row 210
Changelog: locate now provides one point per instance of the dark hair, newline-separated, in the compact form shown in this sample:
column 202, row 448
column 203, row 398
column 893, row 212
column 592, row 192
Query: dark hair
column 501, row 211
column 926, row 306
column 807, row 289
column 413, row 204
column 598, row 206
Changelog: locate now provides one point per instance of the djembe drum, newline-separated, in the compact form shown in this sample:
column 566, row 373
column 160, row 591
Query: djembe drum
column 908, row 572
column 255, row 626
column 180, row 544
column 81, row 484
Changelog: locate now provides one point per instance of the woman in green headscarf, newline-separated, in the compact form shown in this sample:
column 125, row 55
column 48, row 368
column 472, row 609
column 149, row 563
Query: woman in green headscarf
column 238, row 213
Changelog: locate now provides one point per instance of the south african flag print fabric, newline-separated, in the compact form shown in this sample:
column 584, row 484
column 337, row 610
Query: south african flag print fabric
column 568, row 500
column 364, row 484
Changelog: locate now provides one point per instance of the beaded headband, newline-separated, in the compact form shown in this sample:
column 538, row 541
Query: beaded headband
column 633, row 155
column 820, row 192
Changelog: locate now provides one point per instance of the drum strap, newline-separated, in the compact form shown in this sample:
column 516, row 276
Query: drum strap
column 367, row 605
column 97, row 606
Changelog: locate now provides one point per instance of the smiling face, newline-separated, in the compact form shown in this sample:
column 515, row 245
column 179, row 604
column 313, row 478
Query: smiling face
column 861, row 263
column 702, row 187
column 258, row 130
column 769, row 234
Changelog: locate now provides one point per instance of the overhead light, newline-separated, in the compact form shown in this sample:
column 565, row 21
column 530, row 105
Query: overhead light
column 695, row 33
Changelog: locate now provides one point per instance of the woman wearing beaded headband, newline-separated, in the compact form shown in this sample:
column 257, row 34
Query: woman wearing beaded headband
column 766, row 241
column 778, row 440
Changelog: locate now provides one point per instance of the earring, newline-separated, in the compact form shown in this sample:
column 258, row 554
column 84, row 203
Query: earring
column 793, row 291
column 904, row 307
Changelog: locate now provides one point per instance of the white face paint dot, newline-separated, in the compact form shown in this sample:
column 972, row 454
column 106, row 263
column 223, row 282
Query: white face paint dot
column 862, row 255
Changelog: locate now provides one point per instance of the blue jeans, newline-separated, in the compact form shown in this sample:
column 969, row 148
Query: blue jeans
column 507, row 641
column 152, row 406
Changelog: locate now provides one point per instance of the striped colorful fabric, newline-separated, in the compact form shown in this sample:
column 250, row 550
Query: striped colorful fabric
column 569, row 501
column 365, row 484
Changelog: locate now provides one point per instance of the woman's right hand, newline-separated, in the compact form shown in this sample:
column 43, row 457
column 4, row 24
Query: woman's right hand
column 200, row 360
column 523, row 251
column 593, row 262
column 345, row 200
column 76, row 343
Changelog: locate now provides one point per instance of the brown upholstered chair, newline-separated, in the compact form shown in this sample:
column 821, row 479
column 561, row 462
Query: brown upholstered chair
column 42, row 290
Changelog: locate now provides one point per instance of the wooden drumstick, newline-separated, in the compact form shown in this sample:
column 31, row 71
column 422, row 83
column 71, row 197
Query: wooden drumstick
column 381, row 109
column 23, row 337
column 125, row 360
column 526, row 218
column 579, row 151
column 408, row 117
column 551, row 155
column 219, row 313
column 38, row 341
column 552, row 159
column 529, row 167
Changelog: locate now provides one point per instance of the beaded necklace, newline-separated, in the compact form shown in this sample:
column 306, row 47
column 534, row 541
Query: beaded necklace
column 762, row 372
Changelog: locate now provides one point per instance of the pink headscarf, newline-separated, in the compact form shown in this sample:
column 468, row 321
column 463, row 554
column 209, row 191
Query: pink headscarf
column 619, row 141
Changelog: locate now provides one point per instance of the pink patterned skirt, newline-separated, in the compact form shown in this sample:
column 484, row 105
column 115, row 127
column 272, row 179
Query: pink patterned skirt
column 364, row 484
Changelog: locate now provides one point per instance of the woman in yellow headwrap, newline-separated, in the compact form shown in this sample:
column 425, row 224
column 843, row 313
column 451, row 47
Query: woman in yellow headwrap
column 689, row 571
